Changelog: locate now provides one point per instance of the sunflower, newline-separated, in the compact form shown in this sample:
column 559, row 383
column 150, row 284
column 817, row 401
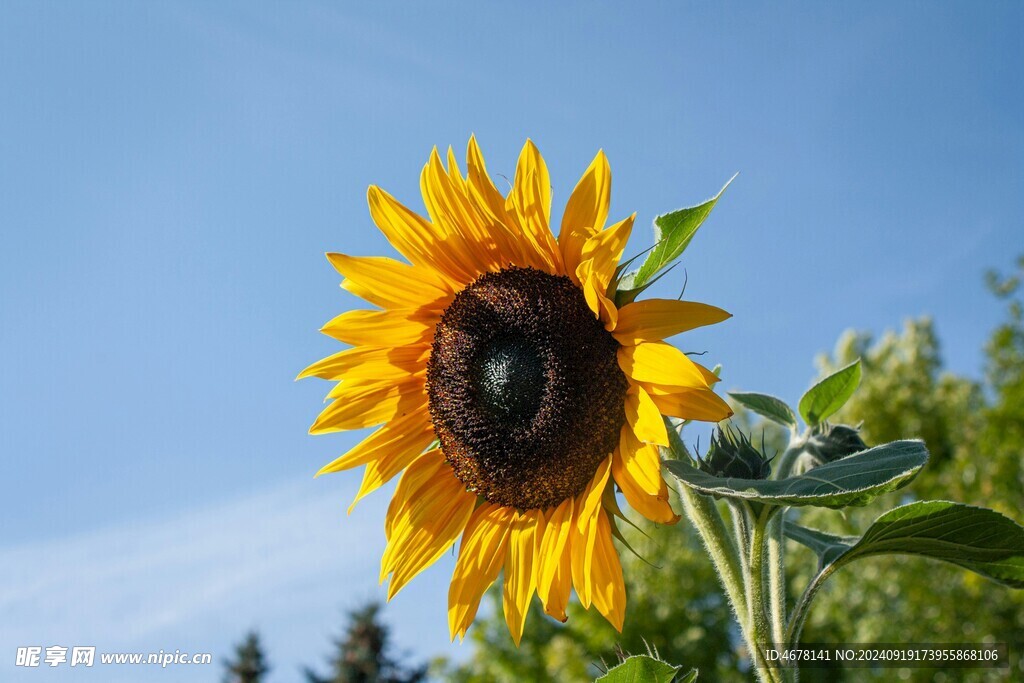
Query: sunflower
column 511, row 392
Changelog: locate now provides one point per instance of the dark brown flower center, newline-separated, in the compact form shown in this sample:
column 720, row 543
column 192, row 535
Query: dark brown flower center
column 526, row 394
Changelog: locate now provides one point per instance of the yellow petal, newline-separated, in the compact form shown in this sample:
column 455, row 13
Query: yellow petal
column 652, row 320
column 641, row 460
column 427, row 522
column 369, row 362
column 581, row 547
column 581, row 578
column 409, row 434
column 419, row 240
column 594, row 291
column 520, row 571
column 531, row 199
column 476, row 172
column 470, row 233
column 644, row 417
column 531, row 163
column 561, row 587
column 605, row 249
column 387, row 283
column 589, row 501
column 554, row 572
column 586, row 211
column 608, row 591
column 654, row 507
column 481, row 557
column 689, row 404
column 396, row 327
column 383, row 468
column 416, row 477
column 492, row 203
column 493, row 227
column 709, row 377
column 660, row 363
column 349, row 385
column 454, row 173
column 368, row 405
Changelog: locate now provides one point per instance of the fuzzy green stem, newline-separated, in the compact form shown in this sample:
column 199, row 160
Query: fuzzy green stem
column 803, row 606
column 789, row 457
column 777, row 584
column 760, row 631
column 704, row 516
column 741, row 529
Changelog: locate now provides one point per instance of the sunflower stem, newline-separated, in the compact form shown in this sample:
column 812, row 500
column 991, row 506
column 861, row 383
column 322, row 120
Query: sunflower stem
column 777, row 585
column 803, row 605
column 760, row 632
column 741, row 526
column 777, row 577
column 793, row 451
column 703, row 514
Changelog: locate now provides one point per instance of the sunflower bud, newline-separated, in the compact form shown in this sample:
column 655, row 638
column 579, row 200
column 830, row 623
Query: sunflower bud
column 731, row 454
column 831, row 443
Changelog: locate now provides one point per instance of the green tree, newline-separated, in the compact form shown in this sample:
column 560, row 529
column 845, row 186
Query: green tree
column 975, row 432
column 249, row 664
column 1004, row 373
column 363, row 654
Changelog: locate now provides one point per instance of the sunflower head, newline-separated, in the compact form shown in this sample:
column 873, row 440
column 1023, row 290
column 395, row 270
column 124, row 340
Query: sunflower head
column 502, row 347
column 524, row 389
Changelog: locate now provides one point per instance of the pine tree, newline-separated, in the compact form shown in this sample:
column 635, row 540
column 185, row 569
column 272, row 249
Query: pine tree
column 250, row 663
column 363, row 654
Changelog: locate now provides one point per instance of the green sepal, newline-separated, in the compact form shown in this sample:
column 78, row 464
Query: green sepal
column 617, row 534
column 626, row 293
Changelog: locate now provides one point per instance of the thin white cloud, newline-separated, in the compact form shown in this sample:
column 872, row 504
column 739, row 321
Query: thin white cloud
column 287, row 561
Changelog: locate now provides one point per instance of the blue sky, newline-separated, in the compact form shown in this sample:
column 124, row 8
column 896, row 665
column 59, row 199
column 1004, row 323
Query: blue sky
column 171, row 174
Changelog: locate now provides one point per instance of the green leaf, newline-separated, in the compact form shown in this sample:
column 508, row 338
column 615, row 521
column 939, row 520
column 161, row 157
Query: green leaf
column 672, row 234
column 978, row 539
column 642, row 669
column 829, row 395
column 775, row 409
column 826, row 546
column 975, row 538
column 853, row 480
